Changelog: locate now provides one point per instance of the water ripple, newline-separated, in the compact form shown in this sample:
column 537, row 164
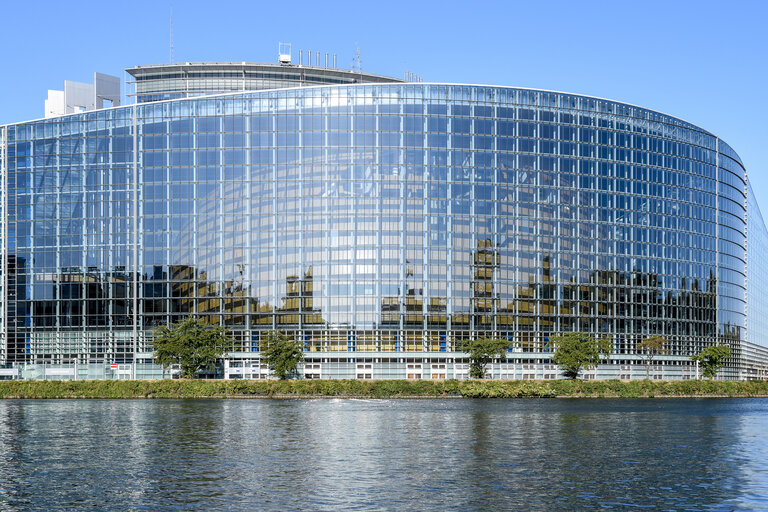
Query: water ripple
column 173, row 455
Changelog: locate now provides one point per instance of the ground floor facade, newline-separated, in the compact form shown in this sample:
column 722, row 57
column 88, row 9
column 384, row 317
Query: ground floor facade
column 752, row 365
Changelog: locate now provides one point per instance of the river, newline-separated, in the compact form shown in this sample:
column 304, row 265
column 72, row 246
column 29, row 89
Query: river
column 331, row 454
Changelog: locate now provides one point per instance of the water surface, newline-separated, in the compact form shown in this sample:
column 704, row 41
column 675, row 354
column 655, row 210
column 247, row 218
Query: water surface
column 540, row 454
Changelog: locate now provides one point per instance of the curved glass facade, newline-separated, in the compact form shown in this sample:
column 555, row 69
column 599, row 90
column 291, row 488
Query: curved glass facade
column 384, row 222
column 754, row 354
column 757, row 273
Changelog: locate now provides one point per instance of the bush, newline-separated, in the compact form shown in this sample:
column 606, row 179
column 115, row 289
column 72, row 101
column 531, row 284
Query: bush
column 188, row 388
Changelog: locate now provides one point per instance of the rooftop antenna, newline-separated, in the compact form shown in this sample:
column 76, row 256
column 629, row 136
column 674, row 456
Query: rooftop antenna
column 358, row 60
column 171, row 36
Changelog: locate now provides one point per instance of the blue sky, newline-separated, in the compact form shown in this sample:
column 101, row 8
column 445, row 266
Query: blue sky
column 706, row 62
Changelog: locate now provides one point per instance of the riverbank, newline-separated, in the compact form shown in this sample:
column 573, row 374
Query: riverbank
column 378, row 389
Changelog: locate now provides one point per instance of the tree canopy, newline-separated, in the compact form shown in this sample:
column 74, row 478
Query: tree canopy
column 483, row 351
column 576, row 351
column 652, row 346
column 191, row 344
column 712, row 358
column 281, row 353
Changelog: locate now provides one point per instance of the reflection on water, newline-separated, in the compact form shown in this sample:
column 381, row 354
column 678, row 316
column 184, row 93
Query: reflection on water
column 383, row 454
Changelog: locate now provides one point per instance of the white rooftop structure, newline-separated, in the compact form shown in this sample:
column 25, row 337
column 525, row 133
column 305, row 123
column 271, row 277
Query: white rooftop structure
column 81, row 97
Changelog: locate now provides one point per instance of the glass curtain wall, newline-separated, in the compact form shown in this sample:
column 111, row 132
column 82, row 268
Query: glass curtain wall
column 372, row 218
column 757, row 273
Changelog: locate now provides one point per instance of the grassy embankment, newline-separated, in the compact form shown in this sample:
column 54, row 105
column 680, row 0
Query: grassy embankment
column 375, row 389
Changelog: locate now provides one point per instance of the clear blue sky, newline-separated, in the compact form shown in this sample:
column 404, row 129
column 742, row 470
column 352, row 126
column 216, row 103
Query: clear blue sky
column 703, row 61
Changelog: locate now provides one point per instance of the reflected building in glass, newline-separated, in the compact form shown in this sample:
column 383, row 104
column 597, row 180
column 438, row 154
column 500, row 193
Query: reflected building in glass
column 378, row 221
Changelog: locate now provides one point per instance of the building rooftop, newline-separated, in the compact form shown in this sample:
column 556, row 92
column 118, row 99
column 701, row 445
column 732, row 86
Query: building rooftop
column 157, row 82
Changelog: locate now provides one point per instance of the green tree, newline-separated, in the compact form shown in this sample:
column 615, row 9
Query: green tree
column 282, row 354
column 712, row 359
column 481, row 352
column 575, row 351
column 652, row 346
column 191, row 344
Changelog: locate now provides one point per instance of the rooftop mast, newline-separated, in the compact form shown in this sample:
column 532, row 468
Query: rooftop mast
column 358, row 61
column 171, row 37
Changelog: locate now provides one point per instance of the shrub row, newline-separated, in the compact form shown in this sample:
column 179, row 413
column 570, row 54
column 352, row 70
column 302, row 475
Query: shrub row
column 375, row 388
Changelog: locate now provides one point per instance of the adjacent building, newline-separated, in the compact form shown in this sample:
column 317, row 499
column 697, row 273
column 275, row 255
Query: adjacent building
column 380, row 222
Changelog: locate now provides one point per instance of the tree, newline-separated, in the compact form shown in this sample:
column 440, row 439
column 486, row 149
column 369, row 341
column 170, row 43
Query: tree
column 652, row 345
column 191, row 344
column 575, row 351
column 282, row 354
column 712, row 359
column 481, row 352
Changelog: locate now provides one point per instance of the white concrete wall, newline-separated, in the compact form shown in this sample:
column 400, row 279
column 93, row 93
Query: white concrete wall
column 80, row 97
column 54, row 105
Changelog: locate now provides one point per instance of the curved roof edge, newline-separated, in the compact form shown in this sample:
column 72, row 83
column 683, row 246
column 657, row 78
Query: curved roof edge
column 400, row 84
column 147, row 68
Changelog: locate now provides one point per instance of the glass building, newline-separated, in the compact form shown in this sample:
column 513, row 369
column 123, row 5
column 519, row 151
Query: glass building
column 379, row 222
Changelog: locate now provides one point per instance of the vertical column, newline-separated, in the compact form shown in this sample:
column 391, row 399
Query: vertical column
column 218, row 237
column 88, row 345
column 248, row 274
column 62, row 340
column 3, row 244
column 352, row 209
column 326, row 300
column 717, row 241
column 108, row 272
column 473, row 248
column 274, row 111
column 167, row 116
column 450, row 342
column 377, row 288
column 327, row 199
column 400, row 343
column 300, row 198
column 136, row 266
column 426, row 176
column 496, row 249
column 195, row 225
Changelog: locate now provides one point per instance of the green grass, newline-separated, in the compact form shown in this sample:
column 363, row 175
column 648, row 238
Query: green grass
column 376, row 388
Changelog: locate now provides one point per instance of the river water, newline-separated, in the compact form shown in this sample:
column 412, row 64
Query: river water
column 541, row 454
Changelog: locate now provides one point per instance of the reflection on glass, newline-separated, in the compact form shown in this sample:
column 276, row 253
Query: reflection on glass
column 374, row 219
